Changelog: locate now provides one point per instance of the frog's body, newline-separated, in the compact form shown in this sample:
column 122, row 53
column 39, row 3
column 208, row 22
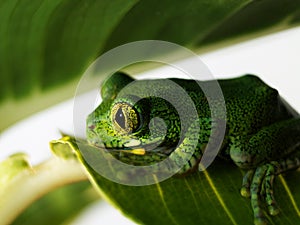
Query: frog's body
column 262, row 131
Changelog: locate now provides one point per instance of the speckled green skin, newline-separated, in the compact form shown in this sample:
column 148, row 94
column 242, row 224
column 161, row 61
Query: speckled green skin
column 262, row 131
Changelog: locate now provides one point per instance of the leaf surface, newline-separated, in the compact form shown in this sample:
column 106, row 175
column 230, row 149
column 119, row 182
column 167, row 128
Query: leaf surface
column 209, row 197
column 46, row 45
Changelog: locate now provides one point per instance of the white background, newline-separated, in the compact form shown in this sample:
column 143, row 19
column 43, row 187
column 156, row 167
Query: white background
column 275, row 58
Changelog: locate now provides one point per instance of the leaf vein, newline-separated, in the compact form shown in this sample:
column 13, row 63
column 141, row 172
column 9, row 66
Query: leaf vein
column 161, row 194
column 213, row 187
column 289, row 193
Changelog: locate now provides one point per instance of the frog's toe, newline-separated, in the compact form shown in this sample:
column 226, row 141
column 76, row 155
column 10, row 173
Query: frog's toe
column 262, row 188
column 245, row 190
column 268, row 185
column 260, row 183
column 260, row 221
column 273, row 210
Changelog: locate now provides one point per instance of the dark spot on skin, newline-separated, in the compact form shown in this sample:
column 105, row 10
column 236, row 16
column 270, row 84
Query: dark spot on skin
column 92, row 127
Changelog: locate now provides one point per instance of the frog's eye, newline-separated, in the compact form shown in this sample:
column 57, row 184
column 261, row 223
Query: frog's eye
column 125, row 118
column 120, row 118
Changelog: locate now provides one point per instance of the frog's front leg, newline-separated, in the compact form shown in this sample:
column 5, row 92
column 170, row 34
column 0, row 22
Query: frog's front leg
column 273, row 150
column 188, row 153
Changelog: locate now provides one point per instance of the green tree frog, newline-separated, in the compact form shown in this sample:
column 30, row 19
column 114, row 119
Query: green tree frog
column 262, row 131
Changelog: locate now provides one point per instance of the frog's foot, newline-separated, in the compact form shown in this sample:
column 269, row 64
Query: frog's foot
column 258, row 184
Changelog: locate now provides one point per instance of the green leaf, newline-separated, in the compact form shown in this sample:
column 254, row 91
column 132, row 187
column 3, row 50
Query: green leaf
column 47, row 44
column 209, row 197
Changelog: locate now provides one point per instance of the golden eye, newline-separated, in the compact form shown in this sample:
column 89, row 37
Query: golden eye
column 125, row 118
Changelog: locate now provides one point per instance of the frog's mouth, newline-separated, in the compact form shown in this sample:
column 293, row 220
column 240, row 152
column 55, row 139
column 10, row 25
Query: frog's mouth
column 133, row 151
column 140, row 155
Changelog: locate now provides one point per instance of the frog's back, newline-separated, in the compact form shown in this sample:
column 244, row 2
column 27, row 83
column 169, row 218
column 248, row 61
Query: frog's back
column 251, row 104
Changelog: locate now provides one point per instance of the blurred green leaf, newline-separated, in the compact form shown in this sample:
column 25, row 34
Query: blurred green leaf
column 209, row 197
column 45, row 45
column 60, row 206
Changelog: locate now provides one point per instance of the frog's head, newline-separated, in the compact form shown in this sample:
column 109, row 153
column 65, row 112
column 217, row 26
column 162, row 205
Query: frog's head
column 125, row 122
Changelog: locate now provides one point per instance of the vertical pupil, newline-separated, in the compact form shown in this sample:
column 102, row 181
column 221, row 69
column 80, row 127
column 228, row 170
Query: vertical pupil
column 120, row 118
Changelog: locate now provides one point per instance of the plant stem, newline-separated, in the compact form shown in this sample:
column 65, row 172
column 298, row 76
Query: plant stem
column 35, row 182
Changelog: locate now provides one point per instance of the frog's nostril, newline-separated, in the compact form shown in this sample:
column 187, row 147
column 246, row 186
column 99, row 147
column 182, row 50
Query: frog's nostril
column 92, row 127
